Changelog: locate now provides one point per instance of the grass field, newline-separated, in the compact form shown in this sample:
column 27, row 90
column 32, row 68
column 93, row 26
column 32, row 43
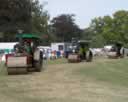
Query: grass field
column 103, row 80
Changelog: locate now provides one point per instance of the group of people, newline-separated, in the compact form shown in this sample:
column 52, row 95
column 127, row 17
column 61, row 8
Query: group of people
column 49, row 54
column 24, row 48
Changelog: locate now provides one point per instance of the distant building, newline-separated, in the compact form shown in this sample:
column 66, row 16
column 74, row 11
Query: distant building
column 60, row 46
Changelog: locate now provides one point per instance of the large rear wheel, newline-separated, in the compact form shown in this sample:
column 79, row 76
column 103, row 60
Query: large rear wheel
column 38, row 60
column 89, row 56
column 38, row 66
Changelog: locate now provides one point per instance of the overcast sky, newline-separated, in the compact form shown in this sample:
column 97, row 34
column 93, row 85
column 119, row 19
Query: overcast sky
column 85, row 10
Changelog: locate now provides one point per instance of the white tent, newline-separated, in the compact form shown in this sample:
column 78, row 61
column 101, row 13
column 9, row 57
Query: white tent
column 60, row 46
column 108, row 47
column 8, row 45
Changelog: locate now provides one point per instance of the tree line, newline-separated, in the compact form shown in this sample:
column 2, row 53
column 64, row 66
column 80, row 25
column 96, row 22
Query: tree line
column 108, row 29
column 26, row 15
column 31, row 17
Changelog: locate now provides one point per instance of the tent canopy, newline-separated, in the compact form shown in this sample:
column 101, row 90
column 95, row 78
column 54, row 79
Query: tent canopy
column 28, row 36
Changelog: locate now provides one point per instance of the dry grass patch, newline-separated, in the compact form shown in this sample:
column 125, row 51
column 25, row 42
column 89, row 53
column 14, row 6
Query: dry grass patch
column 66, row 82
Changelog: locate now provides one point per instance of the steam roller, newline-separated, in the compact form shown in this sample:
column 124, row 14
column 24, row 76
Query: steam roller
column 26, row 56
column 80, row 51
column 117, row 51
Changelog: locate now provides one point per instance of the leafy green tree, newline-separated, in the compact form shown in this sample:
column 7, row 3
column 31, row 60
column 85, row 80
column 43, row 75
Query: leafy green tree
column 64, row 27
column 26, row 15
column 14, row 15
column 40, row 18
column 110, row 29
column 121, row 25
column 98, row 41
column 87, row 34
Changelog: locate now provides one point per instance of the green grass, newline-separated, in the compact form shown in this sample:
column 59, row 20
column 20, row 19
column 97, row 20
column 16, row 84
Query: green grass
column 112, row 71
column 103, row 80
column 3, row 71
column 57, row 61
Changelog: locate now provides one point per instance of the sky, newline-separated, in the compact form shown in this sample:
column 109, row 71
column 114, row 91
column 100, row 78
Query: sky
column 84, row 10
